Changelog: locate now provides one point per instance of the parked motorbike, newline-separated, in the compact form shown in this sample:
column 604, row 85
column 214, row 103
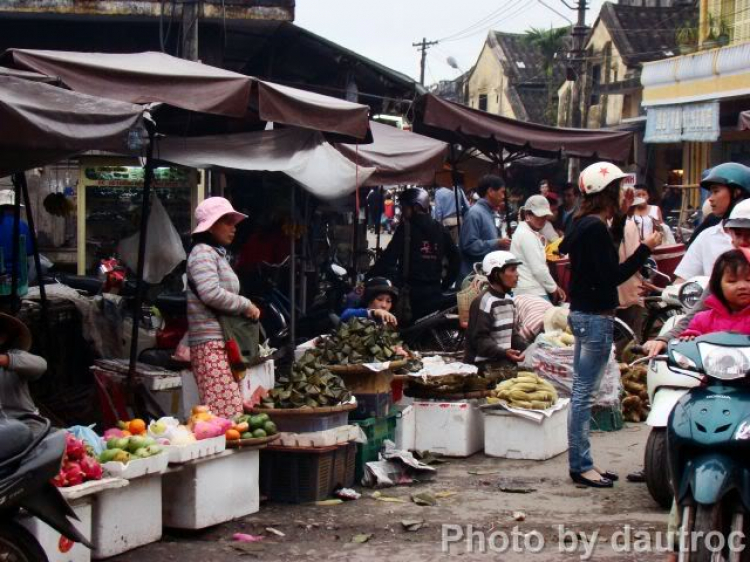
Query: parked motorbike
column 665, row 388
column 708, row 444
column 27, row 465
column 439, row 331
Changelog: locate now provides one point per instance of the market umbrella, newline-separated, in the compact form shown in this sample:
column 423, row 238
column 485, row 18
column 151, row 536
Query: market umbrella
column 302, row 154
column 490, row 133
column 153, row 77
column 399, row 157
column 744, row 121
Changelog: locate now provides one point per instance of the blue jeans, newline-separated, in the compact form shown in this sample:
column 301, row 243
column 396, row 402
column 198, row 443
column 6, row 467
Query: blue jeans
column 593, row 345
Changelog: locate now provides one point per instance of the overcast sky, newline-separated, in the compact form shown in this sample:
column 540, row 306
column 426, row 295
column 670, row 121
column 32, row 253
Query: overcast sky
column 384, row 30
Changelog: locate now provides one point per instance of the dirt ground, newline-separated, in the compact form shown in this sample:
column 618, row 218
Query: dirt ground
column 559, row 518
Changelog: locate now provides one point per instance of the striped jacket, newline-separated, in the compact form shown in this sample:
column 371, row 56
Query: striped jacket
column 492, row 328
column 218, row 287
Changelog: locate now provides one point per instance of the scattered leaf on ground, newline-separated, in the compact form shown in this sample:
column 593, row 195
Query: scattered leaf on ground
column 425, row 499
column 519, row 516
column 445, row 494
column 413, row 525
column 480, row 472
column 380, row 497
column 275, row 532
column 329, row 502
column 363, row 538
column 248, row 548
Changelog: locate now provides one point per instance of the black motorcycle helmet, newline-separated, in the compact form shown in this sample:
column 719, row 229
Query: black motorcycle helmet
column 416, row 197
column 378, row 286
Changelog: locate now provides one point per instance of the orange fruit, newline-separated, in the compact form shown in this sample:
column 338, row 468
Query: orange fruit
column 137, row 426
column 126, row 433
column 232, row 434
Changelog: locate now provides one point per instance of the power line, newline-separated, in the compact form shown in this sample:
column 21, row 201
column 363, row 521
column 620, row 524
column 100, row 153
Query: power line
column 474, row 25
column 515, row 7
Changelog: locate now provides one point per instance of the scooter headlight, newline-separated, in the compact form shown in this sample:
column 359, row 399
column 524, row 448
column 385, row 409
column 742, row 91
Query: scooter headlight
column 726, row 364
column 690, row 293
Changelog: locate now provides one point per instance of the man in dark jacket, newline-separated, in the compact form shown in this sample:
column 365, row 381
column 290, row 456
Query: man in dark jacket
column 430, row 244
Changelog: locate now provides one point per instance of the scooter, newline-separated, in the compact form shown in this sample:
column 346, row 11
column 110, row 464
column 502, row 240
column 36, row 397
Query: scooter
column 708, row 443
column 27, row 465
column 665, row 388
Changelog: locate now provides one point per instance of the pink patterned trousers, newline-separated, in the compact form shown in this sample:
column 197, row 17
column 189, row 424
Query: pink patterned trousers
column 218, row 389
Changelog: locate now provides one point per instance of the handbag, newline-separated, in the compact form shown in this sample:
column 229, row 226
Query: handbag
column 241, row 336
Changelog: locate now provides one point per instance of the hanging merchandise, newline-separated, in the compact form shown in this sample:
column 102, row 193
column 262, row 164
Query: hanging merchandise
column 164, row 250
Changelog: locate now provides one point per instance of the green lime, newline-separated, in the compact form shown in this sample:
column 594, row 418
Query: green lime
column 270, row 428
column 259, row 434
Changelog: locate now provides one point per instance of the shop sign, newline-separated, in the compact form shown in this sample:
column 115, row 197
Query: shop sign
column 696, row 122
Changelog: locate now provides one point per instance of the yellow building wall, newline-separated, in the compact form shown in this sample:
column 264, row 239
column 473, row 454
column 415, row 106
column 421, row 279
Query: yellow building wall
column 597, row 44
column 488, row 78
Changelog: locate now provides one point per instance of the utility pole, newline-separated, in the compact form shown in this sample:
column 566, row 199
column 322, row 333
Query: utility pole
column 577, row 65
column 423, row 46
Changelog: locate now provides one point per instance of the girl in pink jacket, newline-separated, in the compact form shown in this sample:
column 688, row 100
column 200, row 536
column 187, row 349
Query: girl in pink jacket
column 729, row 303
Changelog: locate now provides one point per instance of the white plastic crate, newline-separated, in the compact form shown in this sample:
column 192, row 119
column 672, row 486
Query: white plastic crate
column 406, row 428
column 454, row 429
column 258, row 381
column 213, row 490
column 126, row 518
column 137, row 467
column 57, row 547
column 513, row 437
column 196, row 450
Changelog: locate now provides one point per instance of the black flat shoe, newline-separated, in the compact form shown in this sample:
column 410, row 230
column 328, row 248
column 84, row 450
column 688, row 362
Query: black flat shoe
column 609, row 475
column 578, row 478
column 637, row 477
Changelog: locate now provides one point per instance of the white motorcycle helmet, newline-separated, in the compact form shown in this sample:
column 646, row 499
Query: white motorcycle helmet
column 498, row 259
column 598, row 176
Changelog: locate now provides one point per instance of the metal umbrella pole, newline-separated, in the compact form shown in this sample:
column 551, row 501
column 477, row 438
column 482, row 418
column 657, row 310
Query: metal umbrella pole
column 15, row 250
column 454, row 174
column 20, row 180
column 293, row 275
column 148, row 176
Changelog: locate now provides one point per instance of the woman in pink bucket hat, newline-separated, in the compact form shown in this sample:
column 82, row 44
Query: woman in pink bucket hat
column 214, row 289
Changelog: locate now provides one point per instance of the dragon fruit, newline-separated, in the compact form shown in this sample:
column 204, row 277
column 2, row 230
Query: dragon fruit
column 91, row 469
column 73, row 473
column 74, row 448
column 207, row 430
column 113, row 432
column 60, row 480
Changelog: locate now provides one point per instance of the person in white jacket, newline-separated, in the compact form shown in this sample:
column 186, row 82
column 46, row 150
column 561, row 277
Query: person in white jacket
column 528, row 245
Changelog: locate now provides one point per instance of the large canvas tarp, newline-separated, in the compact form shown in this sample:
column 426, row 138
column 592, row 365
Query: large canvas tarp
column 302, row 154
column 399, row 157
column 458, row 124
column 41, row 124
column 152, row 77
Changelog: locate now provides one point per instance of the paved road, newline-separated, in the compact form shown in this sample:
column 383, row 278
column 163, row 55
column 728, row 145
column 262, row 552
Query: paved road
column 558, row 514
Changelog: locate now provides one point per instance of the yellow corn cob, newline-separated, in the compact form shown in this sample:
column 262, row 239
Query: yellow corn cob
column 537, row 405
column 524, row 404
column 519, row 395
column 524, row 387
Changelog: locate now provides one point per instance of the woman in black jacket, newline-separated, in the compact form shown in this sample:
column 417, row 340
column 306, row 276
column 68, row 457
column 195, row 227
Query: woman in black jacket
column 595, row 275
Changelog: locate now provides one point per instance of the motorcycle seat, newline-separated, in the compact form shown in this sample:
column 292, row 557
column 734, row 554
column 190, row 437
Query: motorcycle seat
column 172, row 304
column 15, row 436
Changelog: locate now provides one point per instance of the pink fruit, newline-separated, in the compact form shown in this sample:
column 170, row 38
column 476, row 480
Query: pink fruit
column 92, row 470
column 223, row 424
column 74, row 448
column 113, row 432
column 73, row 473
column 207, row 430
column 60, row 481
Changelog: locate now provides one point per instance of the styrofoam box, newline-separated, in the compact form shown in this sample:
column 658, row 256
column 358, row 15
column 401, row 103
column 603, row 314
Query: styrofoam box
column 126, row 518
column 406, row 428
column 138, row 467
column 55, row 545
column 213, row 490
column 257, row 379
column 513, row 437
column 196, row 450
column 454, row 429
column 327, row 438
column 178, row 401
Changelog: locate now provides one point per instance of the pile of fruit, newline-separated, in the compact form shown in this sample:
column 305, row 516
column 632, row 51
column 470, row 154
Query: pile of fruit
column 125, row 449
column 360, row 341
column 635, row 403
column 251, row 427
column 527, row 391
column 560, row 339
column 205, row 425
column 309, row 385
column 127, row 428
column 79, row 464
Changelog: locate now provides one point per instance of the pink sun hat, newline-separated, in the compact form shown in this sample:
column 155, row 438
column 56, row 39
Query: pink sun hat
column 211, row 210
